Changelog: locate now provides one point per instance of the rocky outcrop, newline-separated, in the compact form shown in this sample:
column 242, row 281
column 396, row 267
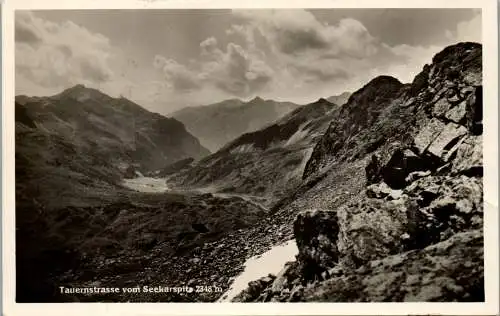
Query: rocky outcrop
column 347, row 136
column 415, row 232
column 315, row 233
column 448, row 271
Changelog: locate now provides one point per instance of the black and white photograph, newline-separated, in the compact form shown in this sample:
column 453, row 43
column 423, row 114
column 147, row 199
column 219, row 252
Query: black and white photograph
column 262, row 155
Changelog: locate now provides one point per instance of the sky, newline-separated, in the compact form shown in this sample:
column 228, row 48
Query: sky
column 169, row 59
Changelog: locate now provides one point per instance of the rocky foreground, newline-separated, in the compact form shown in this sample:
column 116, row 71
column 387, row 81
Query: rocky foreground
column 413, row 231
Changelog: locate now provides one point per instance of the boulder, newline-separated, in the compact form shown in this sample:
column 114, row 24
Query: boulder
column 441, row 92
column 457, row 113
column 254, row 290
column 449, row 271
column 417, row 175
column 445, row 205
column 281, row 280
column 441, row 107
column 446, row 139
column 382, row 191
column 427, row 135
column 474, row 109
column 469, row 157
column 454, row 99
column 410, row 102
column 370, row 229
column 400, row 165
column 466, row 91
column 316, row 234
column 473, row 78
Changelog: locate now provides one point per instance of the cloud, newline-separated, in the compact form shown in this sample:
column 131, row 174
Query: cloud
column 308, row 56
column 296, row 31
column 52, row 56
column 179, row 76
column 234, row 70
column 470, row 30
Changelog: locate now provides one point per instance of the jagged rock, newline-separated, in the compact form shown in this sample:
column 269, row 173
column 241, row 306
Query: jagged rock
column 417, row 175
column 382, row 191
column 457, row 113
column 370, row 229
column 410, row 101
column 469, row 158
column 427, row 135
column 439, row 94
column 444, row 205
column 453, row 99
column 473, row 78
column 415, row 245
column 441, row 107
column 466, row 91
column 254, row 290
column 373, row 170
column 400, row 165
column 281, row 278
column 449, row 271
column 474, row 109
column 448, row 137
column 316, row 237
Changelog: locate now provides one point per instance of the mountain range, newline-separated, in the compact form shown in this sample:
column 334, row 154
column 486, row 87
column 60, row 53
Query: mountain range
column 217, row 124
column 266, row 163
column 340, row 99
column 381, row 191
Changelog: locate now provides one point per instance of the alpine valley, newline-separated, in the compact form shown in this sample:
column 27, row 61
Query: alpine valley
column 381, row 191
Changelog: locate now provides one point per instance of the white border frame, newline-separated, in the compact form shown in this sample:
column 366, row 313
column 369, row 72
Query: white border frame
column 491, row 219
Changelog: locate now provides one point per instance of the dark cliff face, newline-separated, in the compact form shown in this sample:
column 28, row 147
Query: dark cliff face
column 406, row 223
column 374, row 115
column 218, row 124
column 346, row 134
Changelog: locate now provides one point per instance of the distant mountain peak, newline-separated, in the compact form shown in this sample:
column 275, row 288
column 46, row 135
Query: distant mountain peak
column 75, row 89
column 257, row 99
column 340, row 99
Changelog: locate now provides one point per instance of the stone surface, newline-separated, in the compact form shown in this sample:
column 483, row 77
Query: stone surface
column 469, row 158
column 457, row 113
column 474, row 109
column 427, row 134
column 422, row 241
column 316, row 237
column 441, row 107
column 446, row 138
column 473, row 78
column 444, row 206
column 439, row 94
column 370, row 229
column 400, row 165
column 449, row 271
column 382, row 191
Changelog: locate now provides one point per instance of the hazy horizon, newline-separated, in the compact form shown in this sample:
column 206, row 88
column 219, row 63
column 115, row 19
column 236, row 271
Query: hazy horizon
column 284, row 55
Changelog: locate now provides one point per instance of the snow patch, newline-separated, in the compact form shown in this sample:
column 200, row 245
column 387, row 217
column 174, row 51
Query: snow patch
column 146, row 184
column 256, row 267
